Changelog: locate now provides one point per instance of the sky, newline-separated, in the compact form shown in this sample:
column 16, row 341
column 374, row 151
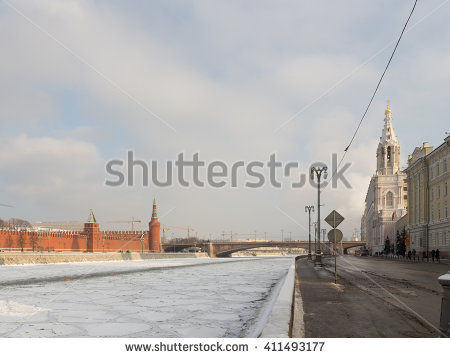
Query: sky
column 84, row 82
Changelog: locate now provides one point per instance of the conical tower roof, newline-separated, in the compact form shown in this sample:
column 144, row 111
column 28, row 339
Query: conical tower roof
column 91, row 218
column 154, row 213
column 388, row 134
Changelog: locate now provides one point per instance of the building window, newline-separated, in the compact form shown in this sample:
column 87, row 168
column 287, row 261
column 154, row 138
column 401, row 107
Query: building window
column 437, row 170
column 445, row 189
column 432, row 194
column 389, row 199
column 445, row 165
column 405, row 197
column 405, row 188
column 438, row 191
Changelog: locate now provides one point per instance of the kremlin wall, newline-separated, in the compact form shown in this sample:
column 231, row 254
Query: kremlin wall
column 91, row 239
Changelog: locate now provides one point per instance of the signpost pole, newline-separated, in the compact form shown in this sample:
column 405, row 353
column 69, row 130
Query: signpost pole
column 334, row 219
column 335, row 269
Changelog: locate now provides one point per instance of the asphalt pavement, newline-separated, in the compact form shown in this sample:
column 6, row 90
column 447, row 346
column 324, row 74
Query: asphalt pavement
column 373, row 298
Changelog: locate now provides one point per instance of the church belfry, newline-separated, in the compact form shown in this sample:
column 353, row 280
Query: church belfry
column 386, row 197
column 388, row 152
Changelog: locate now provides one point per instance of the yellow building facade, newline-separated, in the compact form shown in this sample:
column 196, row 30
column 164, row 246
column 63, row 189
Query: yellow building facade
column 428, row 178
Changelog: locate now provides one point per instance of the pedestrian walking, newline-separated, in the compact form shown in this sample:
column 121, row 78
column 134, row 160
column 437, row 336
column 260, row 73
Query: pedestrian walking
column 438, row 255
column 433, row 253
column 409, row 255
column 414, row 254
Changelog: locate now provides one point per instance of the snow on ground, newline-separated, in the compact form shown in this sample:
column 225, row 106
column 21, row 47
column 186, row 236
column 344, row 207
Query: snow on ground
column 167, row 298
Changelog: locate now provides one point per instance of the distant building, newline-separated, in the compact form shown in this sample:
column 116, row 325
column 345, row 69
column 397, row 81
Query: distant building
column 428, row 180
column 401, row 224
column 59, row 226
column 386, row 198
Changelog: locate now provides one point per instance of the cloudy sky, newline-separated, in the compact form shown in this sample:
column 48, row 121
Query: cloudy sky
column 83, row 82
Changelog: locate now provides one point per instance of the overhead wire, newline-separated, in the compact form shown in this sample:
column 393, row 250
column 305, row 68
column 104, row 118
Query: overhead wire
column 346, row 150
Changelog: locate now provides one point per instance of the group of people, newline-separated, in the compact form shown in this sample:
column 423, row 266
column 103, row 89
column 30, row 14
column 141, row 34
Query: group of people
column 435, row 254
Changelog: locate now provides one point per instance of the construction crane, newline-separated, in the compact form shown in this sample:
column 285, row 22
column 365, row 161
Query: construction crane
column 167, row 228
column 132, row 221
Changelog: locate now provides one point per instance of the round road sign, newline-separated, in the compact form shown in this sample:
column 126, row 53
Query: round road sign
column 339, row 235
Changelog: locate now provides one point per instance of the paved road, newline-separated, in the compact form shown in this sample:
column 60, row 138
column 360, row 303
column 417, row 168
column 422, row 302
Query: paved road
column 373, row 298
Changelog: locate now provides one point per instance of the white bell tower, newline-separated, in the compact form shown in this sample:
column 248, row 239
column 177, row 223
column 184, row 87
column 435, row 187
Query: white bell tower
column 388, row 152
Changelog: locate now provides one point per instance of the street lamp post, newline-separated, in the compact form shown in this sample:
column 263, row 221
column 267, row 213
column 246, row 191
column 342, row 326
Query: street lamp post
column 318, row 170
column 324, row 231
column 315, row 235
column 309, row 209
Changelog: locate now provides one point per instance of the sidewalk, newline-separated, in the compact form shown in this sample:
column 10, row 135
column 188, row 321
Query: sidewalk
column 342, row 310
column 413, row 260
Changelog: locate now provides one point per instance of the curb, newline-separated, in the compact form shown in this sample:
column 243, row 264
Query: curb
column 298, row 324
column 279, row 322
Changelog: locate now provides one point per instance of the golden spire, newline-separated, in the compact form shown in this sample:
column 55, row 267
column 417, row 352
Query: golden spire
column 388, row 109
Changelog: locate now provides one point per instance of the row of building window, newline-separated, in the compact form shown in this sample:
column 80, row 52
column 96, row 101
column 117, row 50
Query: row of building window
column 437, row 240
column 436, row 169
column 438, row 191
column 439, row 212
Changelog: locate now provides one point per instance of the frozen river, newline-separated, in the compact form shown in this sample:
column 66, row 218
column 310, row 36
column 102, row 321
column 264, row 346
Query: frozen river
column 158, row 298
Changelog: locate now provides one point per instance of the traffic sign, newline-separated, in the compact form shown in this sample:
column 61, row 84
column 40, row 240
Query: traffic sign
column 339, row 235
column 334, row 219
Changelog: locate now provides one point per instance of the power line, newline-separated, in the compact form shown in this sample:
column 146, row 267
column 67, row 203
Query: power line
column 375, row 91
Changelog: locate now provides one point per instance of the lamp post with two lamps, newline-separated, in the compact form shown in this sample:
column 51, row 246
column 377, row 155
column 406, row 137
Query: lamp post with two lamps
column 308, row 209
column 318, row 171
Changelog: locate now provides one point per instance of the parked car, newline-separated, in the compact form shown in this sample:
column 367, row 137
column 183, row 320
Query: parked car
column 362, row 252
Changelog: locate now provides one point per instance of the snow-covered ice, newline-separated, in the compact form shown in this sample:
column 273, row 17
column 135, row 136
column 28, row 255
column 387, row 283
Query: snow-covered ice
column 159, row 298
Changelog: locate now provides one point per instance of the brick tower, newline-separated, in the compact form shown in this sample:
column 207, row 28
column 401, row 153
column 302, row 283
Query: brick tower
column 94, row 236
column 153, row 230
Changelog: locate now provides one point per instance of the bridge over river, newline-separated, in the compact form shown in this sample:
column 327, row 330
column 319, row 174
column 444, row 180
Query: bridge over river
column 226, row 248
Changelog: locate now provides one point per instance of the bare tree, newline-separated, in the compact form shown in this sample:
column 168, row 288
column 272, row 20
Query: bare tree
column 21, row 241
column 33, row 240
column 9, row 242
column 19, row 222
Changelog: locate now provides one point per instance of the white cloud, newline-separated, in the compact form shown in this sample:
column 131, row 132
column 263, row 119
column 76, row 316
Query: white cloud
column 225, row 82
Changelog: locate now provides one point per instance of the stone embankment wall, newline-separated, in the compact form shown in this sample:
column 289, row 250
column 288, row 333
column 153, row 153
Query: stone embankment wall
column 14, row 258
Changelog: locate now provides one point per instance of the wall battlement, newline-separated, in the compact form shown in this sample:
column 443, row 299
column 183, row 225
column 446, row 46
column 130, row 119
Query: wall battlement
column 90, row 240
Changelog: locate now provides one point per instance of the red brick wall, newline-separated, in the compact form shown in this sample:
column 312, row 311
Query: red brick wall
column 29, row 241
column 107, row 241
